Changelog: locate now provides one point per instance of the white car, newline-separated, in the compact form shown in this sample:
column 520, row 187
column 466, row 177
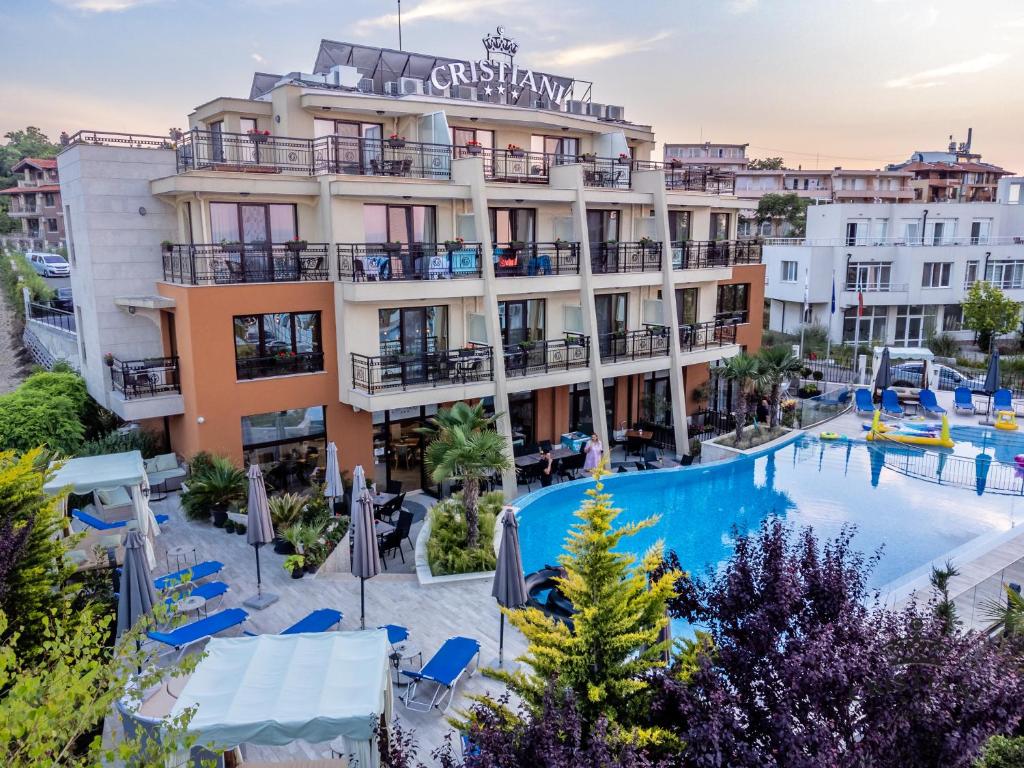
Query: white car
column 49, row 264
column 906, row 379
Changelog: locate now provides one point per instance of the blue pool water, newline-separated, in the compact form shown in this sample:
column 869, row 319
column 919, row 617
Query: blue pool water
column 808, row 482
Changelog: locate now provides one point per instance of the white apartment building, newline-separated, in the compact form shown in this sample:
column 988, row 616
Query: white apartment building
column 909, row 265
column 723, row 157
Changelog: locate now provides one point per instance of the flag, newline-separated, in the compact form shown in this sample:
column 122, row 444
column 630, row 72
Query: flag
column 833, row 310
column 860, row 304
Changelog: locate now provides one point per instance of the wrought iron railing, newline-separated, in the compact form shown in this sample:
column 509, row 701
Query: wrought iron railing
column 381, row 157
column 145, row 378
column 530, row 358
column 619, row 346
column 249, row 152
column 400, row 372
column 607, row 172
column 706, row 335
column 281, row 364
column 359, row 262
column 227, row 263
column 113, row 139
column 691, row 178
column 702, row 254
column 58, row 318
column 877, row 287
column 641, row 256
column 707, row 424
column 530, row 259
column 514, row 165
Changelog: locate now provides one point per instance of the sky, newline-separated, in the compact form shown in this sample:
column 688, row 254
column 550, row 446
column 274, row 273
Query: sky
column 857, row 83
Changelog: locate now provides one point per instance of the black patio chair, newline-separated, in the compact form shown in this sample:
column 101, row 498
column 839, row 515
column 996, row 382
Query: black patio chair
column 394, row 486
column 530, row 474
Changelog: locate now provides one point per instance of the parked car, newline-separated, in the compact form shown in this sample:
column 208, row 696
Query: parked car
column 906, row 379
column 63, row 300
column 49, row 264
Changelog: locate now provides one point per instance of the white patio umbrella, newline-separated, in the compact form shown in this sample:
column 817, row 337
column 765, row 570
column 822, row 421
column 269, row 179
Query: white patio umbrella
column 259, row 532
column 333, row 488
column 365, row 554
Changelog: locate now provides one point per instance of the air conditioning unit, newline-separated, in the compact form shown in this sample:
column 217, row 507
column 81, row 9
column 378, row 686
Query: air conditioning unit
column 465, row 92
column 410, row 86
column 391, row 88
column 432, row 90
column 575, row 107
column 365, row 85
column 598, row 110
column 349, row 77
column 614, row 113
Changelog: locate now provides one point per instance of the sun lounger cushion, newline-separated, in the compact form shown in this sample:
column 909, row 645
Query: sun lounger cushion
column 891, row 402
column 114, row 497
column 450, row 661
column 95, row 522
column 1003, row 400
column 197, row 630
column 318, row 621
column 929, row 403
column 863, row 400
column 195, row 573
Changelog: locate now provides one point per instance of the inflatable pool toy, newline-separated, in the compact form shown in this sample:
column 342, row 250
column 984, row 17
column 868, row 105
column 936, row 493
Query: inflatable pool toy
column 831, row 436
column 1006, row 420
column 545, row 597
column 911, row 434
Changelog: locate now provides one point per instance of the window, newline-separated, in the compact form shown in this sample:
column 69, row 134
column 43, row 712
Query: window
column 560, row 149
column 936, row 274
column 357, row 146
column 868, row 276
column 856, row 232
column 51, row 225
column 522, row 419
column 298, row 436
column 872, row 324
column 953, row 317
column 252, row 223
column 399, row 223
column 980, row 230
column 733, row 300
column 48, row 199
column 789, row 272
column 719, row 226
column 510, row 225
column 656, row 402
column 914, row 324
column 679, row 225
column 1005, row 274
column 970, row 273
column 686, row 305
column 912, row 231
column 521, row 320
column 278, row 344
column 413, row 330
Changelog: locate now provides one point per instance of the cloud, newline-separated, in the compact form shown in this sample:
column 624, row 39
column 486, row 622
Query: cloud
column 429, row 9
column 583, row 54
column 258, row 59
column 102, row 6
column 930, row 78
column 741, row 6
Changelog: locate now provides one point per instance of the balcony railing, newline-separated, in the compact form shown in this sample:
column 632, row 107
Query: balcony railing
column 360, row 262
column 145, row 378
column 530, row 259
column 606, row 172
column 400, row 372
column 698, row 254
column 281, row 364
column 229, row 263
column 380, row 157
column 244, row 152
column 877, row 287
column 706, row 335
column 513, row 165
column 58, row 318
column 911, row 242
column 625, row 257
column 530, row 358
column 691, row 178
column 633, row 345
column 1008, row 284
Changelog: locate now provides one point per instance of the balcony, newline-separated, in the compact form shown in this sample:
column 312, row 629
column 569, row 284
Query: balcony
column 614, row 257
column 145, row 389
column 623, row 346
column 697, row 254
column 376, row 262
column 232, row 263
column 281, row 364
column 702, row 336
column 691, row 178
column 53, row 317
column 877, row 287
column 532, row 358
column 536, row 259
column 401, row 372
column 515, row 166
column 607, row 172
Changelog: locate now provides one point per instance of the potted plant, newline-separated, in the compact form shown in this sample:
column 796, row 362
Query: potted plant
column 514, row 150
column 256, row 136
column 295, row 244
column 516, row 246
column 395, row 141
column 240, row 528
column 229, row 526
column 588, row 157
column 212, row 489
column 166, row 246
column 294, row 564
column 392, row 247
column 231, row 246
column 295, row 536
column 454, row 245
column 526, row 345
column 474, row 147
column 646, row 242
column 624, row 158
column 108, row 359
column 675, row 162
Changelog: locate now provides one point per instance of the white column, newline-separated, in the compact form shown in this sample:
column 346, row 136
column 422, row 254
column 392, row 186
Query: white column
column 469, row 171
column 571, row 177
column 653, row 182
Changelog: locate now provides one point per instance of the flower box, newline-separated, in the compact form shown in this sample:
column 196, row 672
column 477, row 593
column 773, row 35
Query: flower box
column 296, row 245
column 396, row 142
column 474, row 148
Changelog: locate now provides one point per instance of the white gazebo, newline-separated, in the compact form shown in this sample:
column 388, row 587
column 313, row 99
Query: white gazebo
column 93, row 473
column 275, row 689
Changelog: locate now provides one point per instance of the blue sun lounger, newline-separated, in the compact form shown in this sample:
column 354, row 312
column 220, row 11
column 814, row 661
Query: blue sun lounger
column 929, row 403
column 443, row 669
column 891, row 403
column 963, row 400
column 863, row 402
column 318, row 621
column 1002, row 400
column 208, row 591
column 193, row 574
column 180, row 638
column 103, row 525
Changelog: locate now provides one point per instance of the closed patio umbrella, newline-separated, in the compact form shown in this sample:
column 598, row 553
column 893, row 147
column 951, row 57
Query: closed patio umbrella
column 982, row 464
column 259, row 532
column 509, row 584
column 365, row 554
column 333, row 488
column 992, row 379
column 883, row 376
column 877, row 455
column 137, row 595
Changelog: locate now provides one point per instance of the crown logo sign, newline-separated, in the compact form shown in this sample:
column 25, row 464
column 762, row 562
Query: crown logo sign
column 498, row 43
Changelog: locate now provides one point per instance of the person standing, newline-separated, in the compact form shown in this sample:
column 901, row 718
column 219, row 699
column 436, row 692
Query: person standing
column 594, row 450
column 547, row 473
column 762, row 411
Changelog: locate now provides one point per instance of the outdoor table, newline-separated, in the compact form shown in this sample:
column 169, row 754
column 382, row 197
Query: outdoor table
column 190, row 603
column 557, row 452
column 381, row 528
column 158, row 491
column 639, row 434
column 180, row 555
column 380, row 499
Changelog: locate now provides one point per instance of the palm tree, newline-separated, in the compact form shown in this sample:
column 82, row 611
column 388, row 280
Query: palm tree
column 775, row 365
column 1008, row 615
column 465, row 447
column 743, row 369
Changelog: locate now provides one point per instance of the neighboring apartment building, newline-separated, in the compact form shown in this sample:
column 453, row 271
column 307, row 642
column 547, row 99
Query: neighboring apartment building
column 349, row 249
column 903, row 269
column 722, row 157
column 35, row 203
column 956, row 175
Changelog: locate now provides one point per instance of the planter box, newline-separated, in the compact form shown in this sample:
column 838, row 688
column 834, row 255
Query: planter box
column 396, row 143
column 426, row 577
column 474, row 150
column 712, row 450
column 296, row 245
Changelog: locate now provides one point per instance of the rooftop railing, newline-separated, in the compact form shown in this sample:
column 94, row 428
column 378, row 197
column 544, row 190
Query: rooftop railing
column 610, row 257
column 531, row 358
column 373, row 262
column 519, row 259
column 114, row 139
column 229, row 263
column 691, row 178
column 400, row 372
column 145, row 378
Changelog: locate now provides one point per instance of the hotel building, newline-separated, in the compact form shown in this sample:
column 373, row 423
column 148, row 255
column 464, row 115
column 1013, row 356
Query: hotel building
column 722, row 157
column 35, row 203
column 344, row 251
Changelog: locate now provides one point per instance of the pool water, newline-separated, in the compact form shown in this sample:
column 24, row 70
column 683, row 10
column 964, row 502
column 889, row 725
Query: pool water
column 1001, row 445
column 809, row 482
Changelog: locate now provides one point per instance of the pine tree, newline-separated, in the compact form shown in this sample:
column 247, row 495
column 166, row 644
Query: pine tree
column 604, row 661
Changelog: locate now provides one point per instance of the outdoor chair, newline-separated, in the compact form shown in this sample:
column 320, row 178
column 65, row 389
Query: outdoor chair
column 1002, row 400
column 891, row 403
column 179, row 639
column 929, row 403
column 444, row 670
column 394, row 486
column 318, row 621
column 393, row 541
column 863, row 402
column 570, row 466
column 102, row 525
column 530, row 474
column 963, row 401
column 188, row 575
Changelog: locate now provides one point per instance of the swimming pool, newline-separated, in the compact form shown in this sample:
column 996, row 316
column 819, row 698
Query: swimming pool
column 808, row 482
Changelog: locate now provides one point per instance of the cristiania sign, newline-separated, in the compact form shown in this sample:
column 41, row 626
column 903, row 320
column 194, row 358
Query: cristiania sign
column 497, row 76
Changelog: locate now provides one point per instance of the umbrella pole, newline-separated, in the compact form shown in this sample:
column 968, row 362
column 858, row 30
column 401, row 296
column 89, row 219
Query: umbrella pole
column 362, row 603
column 501, row 640
column 259, row 580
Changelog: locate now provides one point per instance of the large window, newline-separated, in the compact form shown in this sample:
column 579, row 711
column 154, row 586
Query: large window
column 1005, row 274
column 970, row 273
column 252, row 223
column 656, row 402
column 789, row 271
column 510, row 225
column 719, row 226
column 356, row 148
column 521, row 320
column 914, row 324
column 679, row 225
column 290, row 446
column 936, row 274
column 868, row 276
column 399, row 223
column 462, row 136
column 522, row 419
column 734, row 300
column 277, row 344
column 953, row 317
column 413, row 330
column 686, row 305
column 560, row 149
column 872, row 324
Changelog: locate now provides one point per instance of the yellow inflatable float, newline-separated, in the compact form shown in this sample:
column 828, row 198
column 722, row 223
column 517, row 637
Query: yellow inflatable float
column 1006, row 420
column 911, row 436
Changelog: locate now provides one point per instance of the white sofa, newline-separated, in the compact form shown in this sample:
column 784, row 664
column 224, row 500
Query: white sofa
column 166, row 468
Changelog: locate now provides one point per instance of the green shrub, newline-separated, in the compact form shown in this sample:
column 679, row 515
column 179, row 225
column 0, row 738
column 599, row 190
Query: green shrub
column 943, row 345
column 200, row 462
column 446, row 548
column 215, row 487
column 28, row 421
column 1002, row 752
column 286, row 510
column 148, row 444
column 20, row 274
